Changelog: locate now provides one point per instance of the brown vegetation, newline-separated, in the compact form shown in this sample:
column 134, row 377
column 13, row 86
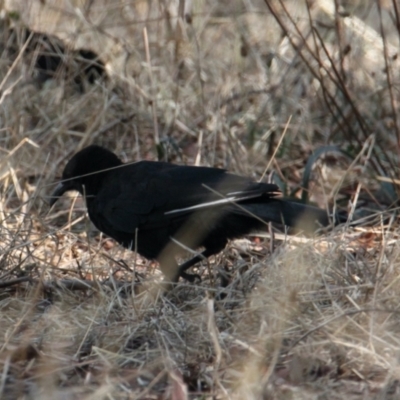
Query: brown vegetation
column 256, row 87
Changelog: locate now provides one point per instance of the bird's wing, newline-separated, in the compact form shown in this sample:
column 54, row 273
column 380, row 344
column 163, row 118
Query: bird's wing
column 149, row 194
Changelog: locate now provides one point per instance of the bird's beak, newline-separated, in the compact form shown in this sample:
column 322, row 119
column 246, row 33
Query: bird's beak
column 60, row 189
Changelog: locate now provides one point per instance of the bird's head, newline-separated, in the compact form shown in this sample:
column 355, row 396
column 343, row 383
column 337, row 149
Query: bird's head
column 85, row 171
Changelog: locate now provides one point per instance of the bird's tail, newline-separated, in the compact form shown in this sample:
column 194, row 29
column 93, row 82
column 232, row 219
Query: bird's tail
column 291, row 213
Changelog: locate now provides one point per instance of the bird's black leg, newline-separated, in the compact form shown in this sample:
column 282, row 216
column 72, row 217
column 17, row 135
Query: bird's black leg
column 212, row 246
column 189, row 263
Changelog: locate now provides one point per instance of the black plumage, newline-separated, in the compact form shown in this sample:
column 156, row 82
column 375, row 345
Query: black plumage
column 160, row 208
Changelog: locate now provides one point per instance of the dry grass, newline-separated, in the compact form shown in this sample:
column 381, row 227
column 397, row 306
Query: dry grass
column 294, row 318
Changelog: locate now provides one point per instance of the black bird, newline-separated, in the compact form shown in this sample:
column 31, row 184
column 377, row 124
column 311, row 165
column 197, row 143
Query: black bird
column 158, row 208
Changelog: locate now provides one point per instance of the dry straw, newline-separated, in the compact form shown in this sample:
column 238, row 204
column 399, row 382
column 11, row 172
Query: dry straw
column 216, row 83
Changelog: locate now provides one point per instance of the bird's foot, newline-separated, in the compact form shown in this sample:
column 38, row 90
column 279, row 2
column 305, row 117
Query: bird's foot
column 190, row 277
